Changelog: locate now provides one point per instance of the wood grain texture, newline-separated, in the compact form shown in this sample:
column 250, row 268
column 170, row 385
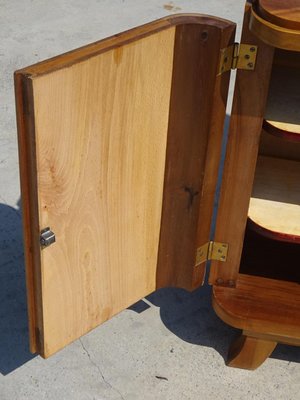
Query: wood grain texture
column 93, row 129
column 272, row 34
column 101, row 131
column 121, row 39
column 282, row 117
column 193, row 152
column 275, row 199
column 285, row 13
column 212, row 162
column 27, row 163
column 273, row 338
column 261, row 305
column 248, row 352
column 250, row 95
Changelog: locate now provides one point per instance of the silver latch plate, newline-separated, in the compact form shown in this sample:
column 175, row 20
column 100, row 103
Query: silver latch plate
column 47, row 237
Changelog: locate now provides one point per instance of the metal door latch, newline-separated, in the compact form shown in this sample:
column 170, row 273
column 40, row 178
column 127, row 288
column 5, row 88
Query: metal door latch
column 47, row 237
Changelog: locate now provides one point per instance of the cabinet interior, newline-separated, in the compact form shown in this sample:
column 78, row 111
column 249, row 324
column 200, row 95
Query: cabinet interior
column 272, row 238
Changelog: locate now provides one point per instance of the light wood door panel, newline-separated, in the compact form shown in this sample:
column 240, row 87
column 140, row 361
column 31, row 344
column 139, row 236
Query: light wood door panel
column 112, row 137
column 100, row 162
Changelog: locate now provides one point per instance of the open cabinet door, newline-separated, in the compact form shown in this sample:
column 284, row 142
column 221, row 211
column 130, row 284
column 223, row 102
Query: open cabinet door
column 113, row 144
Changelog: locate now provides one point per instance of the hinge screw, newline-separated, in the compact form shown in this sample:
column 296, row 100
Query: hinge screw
column 252, row 49
column 219, row 281
column 204, row 35
column 250, row 65
column 231, row 282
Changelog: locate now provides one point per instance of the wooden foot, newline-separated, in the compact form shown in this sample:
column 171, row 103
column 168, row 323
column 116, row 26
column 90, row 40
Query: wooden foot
column 249, row 352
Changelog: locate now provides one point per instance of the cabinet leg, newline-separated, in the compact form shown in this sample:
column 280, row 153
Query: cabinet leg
column 249, row 352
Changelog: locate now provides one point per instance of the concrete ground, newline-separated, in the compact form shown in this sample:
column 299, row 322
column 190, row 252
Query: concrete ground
column 171, row 346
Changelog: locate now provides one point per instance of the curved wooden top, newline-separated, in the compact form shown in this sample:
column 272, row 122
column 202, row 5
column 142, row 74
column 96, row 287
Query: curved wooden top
column 285, row 13
column 272, row 32
column 120, row 39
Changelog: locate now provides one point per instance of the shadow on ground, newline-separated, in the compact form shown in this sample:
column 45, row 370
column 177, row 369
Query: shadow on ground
column 14, row 342
column 190, row 316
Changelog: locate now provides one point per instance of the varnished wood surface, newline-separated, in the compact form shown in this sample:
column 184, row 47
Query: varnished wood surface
column 94, row 124
column 190, row 183
column 285, row 13
column 275, row 235
column 273, row 338
column 27, row 163
column 282, row 117
column 262, row 305
column 273, row 34
column 248, row 352
column 212, row 159
column 275, row 199
column 121, row 39
column 251, row 89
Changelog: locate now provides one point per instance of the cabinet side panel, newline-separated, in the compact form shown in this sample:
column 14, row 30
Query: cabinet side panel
column 101, row 132
column 196, row 57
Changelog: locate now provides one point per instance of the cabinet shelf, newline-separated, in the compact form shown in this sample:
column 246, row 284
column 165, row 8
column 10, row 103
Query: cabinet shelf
column 282, row 117
column 274, row 208
column 251, row 306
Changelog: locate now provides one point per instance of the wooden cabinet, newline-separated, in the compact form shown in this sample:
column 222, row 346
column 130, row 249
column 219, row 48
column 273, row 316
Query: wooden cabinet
column 265, row 300
column 120, row 145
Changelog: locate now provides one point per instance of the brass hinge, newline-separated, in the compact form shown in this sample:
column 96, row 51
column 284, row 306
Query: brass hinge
column 211, row 251
column 238, row 56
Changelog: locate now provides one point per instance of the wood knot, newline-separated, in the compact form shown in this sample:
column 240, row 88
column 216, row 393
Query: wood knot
column 192, row 193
